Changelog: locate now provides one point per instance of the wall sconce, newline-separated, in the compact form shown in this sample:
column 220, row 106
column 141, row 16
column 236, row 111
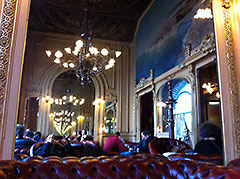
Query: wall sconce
column 161, row 104
column 73, row 123
column 51, row 115
column 98, row 101
column 80, row 117
column 159, row 129
column 102, row 129
column 48, row 99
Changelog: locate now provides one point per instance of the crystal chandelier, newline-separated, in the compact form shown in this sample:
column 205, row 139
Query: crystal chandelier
column 65, row 109
column 85, row 59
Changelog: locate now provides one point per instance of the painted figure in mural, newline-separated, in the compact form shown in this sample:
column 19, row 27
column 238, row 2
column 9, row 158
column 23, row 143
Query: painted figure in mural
column 210, row 143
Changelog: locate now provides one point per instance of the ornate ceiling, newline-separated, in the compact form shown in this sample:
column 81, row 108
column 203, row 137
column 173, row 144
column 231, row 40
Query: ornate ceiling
column 111, row 19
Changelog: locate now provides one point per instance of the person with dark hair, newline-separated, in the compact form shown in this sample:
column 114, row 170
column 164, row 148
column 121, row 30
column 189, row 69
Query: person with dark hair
column 37, row 137
column 114, row 144
column 52, row 147
column 29, row 134
column 82, row 135
column 142, row 146
column 20, row 141
column 210, row 139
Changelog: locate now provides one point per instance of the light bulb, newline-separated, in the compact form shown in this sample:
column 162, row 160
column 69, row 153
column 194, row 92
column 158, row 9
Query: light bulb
column 75, row 52
column 112, row 61
column 104, row 52
column 93, row 50
column 65, row 65
column 107, row 67
column 94, row 68
column 49, row 53
column 79, row 43
column 71, row 65
column 57, row 60
column 58, row 54
column 68, row 50
column 118, row 53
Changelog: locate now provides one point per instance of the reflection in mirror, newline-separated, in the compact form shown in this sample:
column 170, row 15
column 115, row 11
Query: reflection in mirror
column 182, row 112
column 110, row 117
column 71, row 108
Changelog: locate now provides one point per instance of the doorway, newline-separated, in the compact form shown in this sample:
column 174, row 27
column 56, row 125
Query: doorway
column 146, row 112
column 209, row 94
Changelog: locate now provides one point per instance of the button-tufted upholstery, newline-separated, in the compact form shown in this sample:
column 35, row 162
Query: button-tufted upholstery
column 162, row 145
column 83, row 148
column 139, row 166
column 214, row 158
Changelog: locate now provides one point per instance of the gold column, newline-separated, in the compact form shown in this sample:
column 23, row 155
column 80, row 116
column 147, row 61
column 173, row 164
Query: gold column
column 227, row 21
column 7, row 24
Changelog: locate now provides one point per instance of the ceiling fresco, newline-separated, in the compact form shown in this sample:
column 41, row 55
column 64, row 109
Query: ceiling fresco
column 111, row 19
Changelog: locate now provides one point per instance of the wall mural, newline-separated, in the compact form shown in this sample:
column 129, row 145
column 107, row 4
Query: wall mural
column 163, row 34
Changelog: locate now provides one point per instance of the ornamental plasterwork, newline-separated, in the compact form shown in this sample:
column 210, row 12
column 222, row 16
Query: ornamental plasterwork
column 208, row 43
column 144, row 81
column 232, row 80
column 207, row 46
column 7, row 22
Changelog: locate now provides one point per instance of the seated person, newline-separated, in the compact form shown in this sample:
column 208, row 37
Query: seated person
column 37, row 137
column 52, row 147
column 114, row 144
column 82, row 135
column 142, row 146
column 20, row 141
column 210, row 143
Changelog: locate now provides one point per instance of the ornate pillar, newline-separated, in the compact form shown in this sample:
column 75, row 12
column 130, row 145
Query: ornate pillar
column 12, row 45
column 170, row 104
column 227, row 30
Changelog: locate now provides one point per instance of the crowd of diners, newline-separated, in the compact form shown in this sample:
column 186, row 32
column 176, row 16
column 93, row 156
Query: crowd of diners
column 209, row 134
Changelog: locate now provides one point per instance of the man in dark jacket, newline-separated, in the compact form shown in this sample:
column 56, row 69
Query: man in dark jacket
column 20, row 141
column 52, row 147
column 142, row 146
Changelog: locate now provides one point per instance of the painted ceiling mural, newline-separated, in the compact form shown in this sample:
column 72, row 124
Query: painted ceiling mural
column 164, row 32
column 111, row 20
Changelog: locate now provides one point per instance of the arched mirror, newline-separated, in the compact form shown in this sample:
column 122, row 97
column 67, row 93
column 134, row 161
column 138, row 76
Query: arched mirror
column 110, row 117
column 71, row 105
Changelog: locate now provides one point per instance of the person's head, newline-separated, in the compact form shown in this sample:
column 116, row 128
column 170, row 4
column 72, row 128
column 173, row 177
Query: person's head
column 209, row 129
column 145, row 134
column 84, row 132
column 117, row 133
column 19, row 131
column 37, row 136
column 29, row 134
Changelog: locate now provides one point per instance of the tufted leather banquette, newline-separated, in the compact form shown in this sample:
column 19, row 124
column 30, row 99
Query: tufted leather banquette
column 83, row 148
column 161, row 145
column 214, row 158
column 139, row 166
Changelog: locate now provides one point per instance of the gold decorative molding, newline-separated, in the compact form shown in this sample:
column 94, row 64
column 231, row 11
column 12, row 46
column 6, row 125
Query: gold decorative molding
column 6, row 33
column 232, row 79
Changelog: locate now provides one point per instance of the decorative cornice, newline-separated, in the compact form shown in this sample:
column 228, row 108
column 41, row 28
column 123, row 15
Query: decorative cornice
column 7, row 22
column 232, row 80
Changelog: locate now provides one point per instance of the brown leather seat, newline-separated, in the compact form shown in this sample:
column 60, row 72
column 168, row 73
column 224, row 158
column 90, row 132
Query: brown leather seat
column 162, row 145
column 139, row 166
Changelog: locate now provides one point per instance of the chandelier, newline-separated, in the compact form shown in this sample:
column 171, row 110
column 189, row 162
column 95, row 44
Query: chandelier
column 85, row 59
column 204, row 13
column 65, row 110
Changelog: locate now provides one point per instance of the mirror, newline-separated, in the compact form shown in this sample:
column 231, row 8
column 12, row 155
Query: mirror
column 110, row 117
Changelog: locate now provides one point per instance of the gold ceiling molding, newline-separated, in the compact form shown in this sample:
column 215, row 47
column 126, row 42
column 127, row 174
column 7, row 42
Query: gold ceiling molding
column 7, row 22
column 232, row 78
